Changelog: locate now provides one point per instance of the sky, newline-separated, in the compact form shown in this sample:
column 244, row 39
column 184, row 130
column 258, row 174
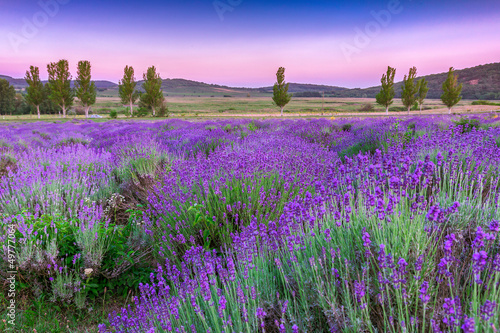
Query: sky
column 243, row 42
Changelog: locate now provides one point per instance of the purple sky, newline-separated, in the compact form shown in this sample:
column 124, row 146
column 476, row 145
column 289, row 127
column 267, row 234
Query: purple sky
column 243, row 42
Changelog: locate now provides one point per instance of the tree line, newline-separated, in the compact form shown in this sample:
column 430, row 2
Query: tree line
column 58, row 89
column 417, row 92
column 411, row 92
column 61, row 96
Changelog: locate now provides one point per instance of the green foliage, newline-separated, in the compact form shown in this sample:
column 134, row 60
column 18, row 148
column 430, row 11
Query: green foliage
column 422, row 90
column 7, row 97
column 468, row 124
column 370, row 146
column 451, row 90
column 280, row 90
column 163, row 111
column 414, row 107
column 206, row 147
column 84, row 87
column 59, row 84
column 252, row 127
column 213, row 221
column 121, row 250
column 346, row 127
column 153, row 95
column 386, row 94
column 409, row 89
column 113, row 114
column 480, row 102
column 35, row 94
column 126, row 88
column 48, row 106
column 143, row 111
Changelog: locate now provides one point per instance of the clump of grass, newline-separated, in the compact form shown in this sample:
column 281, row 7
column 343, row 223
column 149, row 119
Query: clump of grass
column 367, row 107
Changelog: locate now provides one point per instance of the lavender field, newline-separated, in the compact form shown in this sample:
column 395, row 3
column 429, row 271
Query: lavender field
column 354, row 225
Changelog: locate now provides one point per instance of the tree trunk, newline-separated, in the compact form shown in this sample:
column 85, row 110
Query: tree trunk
column 409, row 110
column 282, row 111
column 86, row 111
column 38, row 111
column 64, row 111
column 387, row 110
column 449, row 110
column 154, row 111
column 131, row 109
column 420, row 109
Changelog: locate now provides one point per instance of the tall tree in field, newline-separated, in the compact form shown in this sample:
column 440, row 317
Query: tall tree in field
column 84, row 87
column 408, row 95
column 386, row 94
column 153, row 95
column 451, row 90
column 126, row 88
column 35, row 94
column 281, row 97
column 60, row 85
column 422, row 90
column 7, row 97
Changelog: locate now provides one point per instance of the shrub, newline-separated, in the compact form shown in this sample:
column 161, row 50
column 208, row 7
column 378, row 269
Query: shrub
column 113, row 114
column 346, row 127
column 369, row 146
column 481, row 102
column 367, row 107
column 163, row 111
column 468, row 124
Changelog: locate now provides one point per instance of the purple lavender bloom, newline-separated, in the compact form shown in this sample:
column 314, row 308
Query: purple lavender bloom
column 468, row 325
column 494, row 226
column 478, row 263
column 488, row 309
column 423, row 292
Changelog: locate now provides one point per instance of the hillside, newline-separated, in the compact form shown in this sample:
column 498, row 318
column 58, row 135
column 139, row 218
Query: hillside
column 480, row 82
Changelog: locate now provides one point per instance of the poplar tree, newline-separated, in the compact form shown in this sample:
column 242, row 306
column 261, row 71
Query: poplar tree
column 153, row 95
column 422, row 90
column 35, row 94
column 281, row 97
column 451, row 90
column 408, row 95
column 7, row 97
column 126, row 88
column 60, row 85
column 386, row 94
column 84, row 87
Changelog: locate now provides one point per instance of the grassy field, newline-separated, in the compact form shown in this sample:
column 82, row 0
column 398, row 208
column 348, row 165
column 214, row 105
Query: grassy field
column 217, row 107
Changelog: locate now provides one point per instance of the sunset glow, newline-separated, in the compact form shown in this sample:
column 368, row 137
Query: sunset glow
column 188, row 39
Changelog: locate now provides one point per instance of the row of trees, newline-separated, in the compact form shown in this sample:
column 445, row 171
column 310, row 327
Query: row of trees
column 412, row 92
column 417, row 92
column 58, row 90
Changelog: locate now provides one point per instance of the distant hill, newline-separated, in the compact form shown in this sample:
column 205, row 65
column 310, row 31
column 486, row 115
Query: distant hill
column 480, row 82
